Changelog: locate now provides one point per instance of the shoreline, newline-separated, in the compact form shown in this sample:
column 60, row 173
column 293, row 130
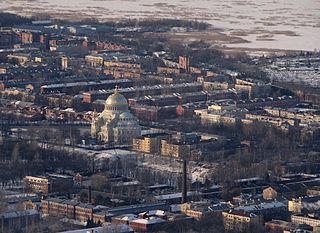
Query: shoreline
column 239, row 27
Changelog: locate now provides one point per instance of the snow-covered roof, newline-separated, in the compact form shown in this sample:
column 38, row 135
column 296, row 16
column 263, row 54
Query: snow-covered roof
column 152, row 220
column 262, row 206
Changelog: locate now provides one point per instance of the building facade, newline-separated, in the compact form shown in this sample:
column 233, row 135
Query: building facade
column 239, row 221
column 310, row 220
column 49, row 184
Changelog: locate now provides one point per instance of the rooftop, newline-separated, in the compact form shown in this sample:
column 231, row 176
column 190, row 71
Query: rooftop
column 261, row 207
column 16, row 214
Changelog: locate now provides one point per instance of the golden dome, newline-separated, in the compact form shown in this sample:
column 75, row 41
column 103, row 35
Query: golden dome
column 116, row 102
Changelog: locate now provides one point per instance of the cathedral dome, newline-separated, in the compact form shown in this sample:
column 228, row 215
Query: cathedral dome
column 126, row 116
column 116, row 124
column 126, row 119
column 116, row 102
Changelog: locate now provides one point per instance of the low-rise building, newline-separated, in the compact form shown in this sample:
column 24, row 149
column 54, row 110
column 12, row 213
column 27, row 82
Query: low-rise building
column 310, row 219
column 267, row 210
column 168, row 70
column 239, row 221
column 174, row 149
column 70, row 209
column 76, row 87
column 19, row 58
column 149, row 225
column 310, row 203
column 17, row 220
column 107, row 227
column 139, row 91
column 203, row 209
column 59, row 207
column 128, row 189
column 222, row 113
column 83, row 212
column 49, row 184
column 122, row 73
column 119, row 64
column 277, row 121
column 279, row 226
column 150, row 143
column 175, row 198
column 94, row 60
column 269, row 193
column 313, row 191
column 190, row 145
column 253, row 89
column 215, row 86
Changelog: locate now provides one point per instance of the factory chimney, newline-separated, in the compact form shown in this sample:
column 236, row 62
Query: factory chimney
column 89, row 195
column 184, row 181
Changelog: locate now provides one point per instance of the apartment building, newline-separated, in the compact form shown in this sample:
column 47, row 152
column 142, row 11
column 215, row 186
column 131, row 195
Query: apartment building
column 150, row 143
column 49, row 184
column 239, row 221
column 310, row 219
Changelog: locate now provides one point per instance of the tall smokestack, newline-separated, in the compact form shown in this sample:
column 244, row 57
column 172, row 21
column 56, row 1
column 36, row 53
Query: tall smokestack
column 89, row 195
column 184, row 181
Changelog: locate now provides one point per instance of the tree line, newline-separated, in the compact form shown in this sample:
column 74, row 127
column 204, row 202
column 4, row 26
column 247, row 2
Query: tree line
column 9, row 19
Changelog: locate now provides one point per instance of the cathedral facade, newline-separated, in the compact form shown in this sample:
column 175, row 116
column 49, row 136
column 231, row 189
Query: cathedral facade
column 115, row 125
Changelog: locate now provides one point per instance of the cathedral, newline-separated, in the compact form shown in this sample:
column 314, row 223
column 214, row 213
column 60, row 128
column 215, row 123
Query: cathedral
column 115, row 125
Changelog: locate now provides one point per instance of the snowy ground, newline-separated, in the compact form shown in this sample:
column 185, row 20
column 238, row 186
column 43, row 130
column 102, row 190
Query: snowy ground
column 308, row 78
column 274, row 24
column 299, row 70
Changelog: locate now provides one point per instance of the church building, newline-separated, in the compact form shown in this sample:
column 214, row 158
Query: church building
column 115, row 125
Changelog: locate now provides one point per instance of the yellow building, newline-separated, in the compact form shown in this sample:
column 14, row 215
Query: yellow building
column 64, row 63
column 94, row 61
column 197, row 210
column 239, row 221
column 222, row 107
column 310, row 220
column 20, row 58
column 38, row 183
column 122, row 73
column 174, row 149
column 122, row 65
column 295, row 205
column 38, row 59
column 148, row 143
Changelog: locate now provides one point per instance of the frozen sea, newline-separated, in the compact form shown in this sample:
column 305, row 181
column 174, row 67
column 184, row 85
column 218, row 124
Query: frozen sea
column 273, row 24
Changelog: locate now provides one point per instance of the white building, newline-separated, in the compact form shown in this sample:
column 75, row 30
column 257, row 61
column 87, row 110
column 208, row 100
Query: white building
column 115, row 125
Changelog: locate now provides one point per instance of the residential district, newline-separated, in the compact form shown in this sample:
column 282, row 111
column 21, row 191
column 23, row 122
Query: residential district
column 113, row 127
